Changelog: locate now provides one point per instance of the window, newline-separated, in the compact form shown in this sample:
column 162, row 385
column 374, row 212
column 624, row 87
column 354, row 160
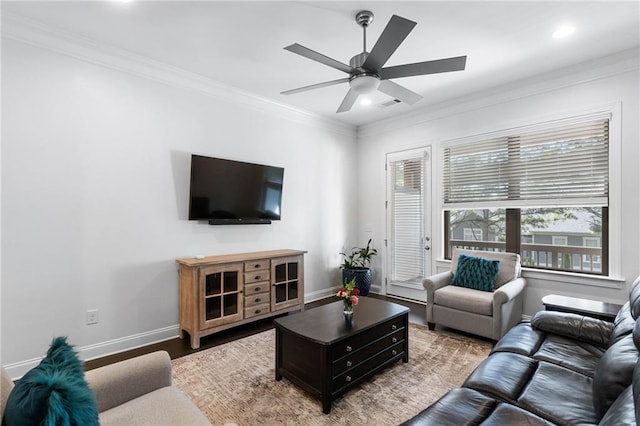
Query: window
column 472, row 234
column 558, row 240
column 490, row 185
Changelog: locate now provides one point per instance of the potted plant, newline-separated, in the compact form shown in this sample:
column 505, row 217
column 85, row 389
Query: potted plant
column 355, row 265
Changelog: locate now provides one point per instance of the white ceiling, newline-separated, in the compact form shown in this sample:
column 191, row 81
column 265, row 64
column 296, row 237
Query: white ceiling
column 240, row 44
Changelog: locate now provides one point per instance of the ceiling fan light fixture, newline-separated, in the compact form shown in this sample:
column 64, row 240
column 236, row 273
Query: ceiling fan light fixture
column 364, row 83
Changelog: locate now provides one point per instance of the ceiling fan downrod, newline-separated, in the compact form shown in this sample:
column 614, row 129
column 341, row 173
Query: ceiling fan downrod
column 364, row 18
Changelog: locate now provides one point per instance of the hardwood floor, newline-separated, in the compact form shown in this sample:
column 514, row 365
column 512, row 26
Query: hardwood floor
column 180, row 347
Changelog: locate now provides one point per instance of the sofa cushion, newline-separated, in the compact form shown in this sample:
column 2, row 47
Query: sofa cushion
column 621, row 412
column 614, row 373
column 507, row 414
column 578, row 356
column 465, row 299
column 509, row 264
column 54, row 392
column 476, row 273
column 521, row 339
column 634, row 299
column 165, row 406
column 503, row 375
column 458, row 406
column 577, row 327
column 623, row 324
column 559, row 395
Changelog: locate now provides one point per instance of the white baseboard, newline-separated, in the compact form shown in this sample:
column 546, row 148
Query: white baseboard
column 98, row 350
column 320, row 294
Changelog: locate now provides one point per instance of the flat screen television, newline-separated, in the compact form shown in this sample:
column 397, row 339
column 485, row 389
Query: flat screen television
column 234, row 192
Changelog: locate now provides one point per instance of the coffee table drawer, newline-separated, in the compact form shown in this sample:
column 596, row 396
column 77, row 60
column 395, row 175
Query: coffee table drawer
column 359, row 341
column 352, row 359
column 349, row 377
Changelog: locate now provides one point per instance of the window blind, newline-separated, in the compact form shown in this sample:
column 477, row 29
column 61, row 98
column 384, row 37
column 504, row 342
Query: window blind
column 407, row 204
column 563, row 165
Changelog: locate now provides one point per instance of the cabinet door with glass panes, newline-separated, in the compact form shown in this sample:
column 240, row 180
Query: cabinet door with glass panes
column 287, row 277
column 221, row 290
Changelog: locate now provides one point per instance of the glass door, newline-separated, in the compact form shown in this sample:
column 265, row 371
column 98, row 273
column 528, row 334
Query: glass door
column 408, row 204
column 287, row 277
column 221, row 292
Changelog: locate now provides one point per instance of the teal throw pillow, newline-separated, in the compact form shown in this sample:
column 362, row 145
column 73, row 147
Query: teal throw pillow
column 54, row 393
column 476, row 272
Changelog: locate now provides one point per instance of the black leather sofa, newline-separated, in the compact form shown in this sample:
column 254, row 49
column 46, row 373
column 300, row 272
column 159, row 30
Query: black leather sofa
column 557, row 369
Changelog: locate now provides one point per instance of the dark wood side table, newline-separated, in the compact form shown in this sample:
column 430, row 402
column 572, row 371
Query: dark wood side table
column 326, row 355
column 592, row 308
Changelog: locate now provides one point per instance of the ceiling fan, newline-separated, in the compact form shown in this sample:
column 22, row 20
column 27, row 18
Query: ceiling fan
column 366, row 72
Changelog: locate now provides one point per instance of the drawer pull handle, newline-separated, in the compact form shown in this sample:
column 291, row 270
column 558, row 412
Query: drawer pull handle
column 394, row 340
column 257, row 289
column 394, row 353
column 257, row 278
column 349, row 364
column 348, row 378
column 257, row 300
column 393, row 327
column 257, row 265
column 257, row 311
column 349, row 349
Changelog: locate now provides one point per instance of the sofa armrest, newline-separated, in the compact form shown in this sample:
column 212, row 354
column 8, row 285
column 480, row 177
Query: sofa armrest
column 578, row 327
column 123, row 381
column 434, row 282
column 508, row 291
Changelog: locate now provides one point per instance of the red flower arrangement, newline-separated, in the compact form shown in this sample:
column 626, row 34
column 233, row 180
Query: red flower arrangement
column 349, row 294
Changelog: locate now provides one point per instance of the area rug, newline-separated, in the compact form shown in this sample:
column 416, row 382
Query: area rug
column 234, row 383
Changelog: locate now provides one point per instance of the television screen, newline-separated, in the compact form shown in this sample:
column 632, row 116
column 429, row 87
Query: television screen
column 234, row 192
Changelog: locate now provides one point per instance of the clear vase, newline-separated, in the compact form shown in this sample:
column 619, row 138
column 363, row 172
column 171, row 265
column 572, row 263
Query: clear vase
column 348, row 307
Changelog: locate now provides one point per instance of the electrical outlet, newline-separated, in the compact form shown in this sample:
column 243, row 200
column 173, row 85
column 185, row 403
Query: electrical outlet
column 92, row 316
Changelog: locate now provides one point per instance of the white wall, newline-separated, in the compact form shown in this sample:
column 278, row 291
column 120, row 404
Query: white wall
column 596, row 85
column 95, row 184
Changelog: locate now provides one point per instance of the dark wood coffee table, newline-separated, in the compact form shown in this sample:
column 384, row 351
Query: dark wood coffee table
column 326, row 355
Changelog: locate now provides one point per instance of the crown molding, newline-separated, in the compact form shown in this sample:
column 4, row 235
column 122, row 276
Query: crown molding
column 601, row 68
column 21, row 29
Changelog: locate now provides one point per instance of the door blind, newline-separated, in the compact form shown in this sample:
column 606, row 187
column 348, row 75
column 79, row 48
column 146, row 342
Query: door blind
column 563, row 165
column 407, row 204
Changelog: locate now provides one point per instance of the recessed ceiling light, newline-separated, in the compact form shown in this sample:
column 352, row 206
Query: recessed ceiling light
column 563, row 31
column 365, row 101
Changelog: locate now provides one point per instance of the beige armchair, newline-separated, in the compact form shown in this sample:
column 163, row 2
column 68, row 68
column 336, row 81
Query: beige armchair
column 488, row 314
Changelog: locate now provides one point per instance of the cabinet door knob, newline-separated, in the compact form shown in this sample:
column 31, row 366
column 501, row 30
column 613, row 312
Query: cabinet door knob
column 394, row 340
column 349, row 349
column 394, row 353
column 393, row 327
column 349, row 364
column 348, row 378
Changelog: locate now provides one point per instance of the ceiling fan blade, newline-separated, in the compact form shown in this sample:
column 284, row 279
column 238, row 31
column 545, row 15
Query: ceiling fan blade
column 315, row 86
column 318, row 57
column 348, row 101
column 393, row 35
column 398, row 92
column 421, row 68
